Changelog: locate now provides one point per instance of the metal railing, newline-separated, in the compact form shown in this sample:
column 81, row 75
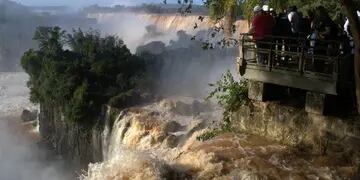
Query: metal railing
column 310, row 58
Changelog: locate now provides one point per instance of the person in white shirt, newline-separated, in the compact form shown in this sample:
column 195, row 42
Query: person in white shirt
column 348, row 32
column 294, row 18
column 347, row 25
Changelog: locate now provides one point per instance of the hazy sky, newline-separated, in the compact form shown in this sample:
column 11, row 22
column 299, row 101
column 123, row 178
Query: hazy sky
column 79, row 3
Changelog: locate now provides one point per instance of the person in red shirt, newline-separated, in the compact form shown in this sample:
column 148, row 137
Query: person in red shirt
column 262, row 26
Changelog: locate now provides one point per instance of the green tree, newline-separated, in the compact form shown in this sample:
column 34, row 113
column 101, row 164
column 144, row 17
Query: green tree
column 91, row 71
column 248, row 7
column 230, row 95
column 225, row 10
column 49, row 39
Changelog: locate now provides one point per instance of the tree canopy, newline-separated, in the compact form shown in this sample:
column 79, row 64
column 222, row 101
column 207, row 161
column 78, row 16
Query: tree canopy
column 244, row 8
column 80, row 71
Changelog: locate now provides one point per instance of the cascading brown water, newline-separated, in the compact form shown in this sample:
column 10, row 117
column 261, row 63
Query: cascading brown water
column 158, row 141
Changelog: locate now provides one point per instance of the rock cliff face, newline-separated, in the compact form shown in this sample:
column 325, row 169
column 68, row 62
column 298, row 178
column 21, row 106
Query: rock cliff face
column 75, row 143
column 295, row 127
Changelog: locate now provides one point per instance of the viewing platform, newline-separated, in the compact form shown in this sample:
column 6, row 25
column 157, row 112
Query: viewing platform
column 321, row 68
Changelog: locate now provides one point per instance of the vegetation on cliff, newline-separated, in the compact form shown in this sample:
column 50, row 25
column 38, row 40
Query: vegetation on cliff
column 80, row 71
column 230, row 95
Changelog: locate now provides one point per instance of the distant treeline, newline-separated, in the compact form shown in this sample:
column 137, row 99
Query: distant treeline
column 147, row 8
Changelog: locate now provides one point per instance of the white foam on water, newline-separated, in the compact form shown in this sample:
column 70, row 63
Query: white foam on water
column 14, row 94
column 122, row 162
column 20, row 157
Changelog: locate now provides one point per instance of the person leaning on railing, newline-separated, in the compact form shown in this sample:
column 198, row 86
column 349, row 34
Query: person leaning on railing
column 261, row 26
column 282, row 29
column 324, row 28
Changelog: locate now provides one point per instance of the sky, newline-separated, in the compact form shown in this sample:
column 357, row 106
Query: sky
column 80, row 3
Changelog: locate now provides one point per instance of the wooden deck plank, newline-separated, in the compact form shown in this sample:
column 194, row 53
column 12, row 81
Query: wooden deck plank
column 301, row 82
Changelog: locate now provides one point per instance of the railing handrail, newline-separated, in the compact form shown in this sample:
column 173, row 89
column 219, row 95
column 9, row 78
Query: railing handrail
column 301, row 52
column 290, row 38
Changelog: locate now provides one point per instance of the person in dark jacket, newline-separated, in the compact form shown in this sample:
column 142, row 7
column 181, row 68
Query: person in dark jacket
column 282, row 29
column 324, row 25
column 325, row 29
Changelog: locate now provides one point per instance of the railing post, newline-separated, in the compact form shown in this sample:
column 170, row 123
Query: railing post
column 270, row 60
column 301, row 60
column 336, row 68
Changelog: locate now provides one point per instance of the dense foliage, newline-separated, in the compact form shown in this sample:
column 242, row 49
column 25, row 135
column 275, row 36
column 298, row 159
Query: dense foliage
column 80, row 71
column 230, row 95
column 334, row 7
column 219, row 8
column 248, row 8
column 244, row 8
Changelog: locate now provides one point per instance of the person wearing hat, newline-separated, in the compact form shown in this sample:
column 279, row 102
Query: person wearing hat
column 265, row 8
column 261, row 27
column 272, row 13
column 257, row 10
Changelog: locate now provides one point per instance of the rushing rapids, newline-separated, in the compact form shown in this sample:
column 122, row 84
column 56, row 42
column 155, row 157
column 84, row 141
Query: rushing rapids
column 13, row 94
column 158, row 141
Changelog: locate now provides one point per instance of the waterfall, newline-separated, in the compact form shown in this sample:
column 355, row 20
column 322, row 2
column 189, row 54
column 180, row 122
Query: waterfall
column 121, row 162
column 114, row 136
column 167, row 26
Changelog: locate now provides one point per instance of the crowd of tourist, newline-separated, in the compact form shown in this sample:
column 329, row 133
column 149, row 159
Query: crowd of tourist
column 317, row 25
